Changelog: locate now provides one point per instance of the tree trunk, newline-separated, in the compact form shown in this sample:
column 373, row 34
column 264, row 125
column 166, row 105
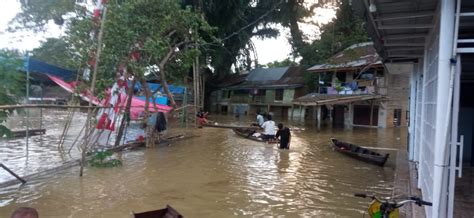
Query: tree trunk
column 126, row 115
column 149, row 130
column 298, row 43
column 164, row 84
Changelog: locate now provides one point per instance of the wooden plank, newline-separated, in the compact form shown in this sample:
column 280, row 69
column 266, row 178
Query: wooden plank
column 380, row 148
column 31, row 132
column 404, row 15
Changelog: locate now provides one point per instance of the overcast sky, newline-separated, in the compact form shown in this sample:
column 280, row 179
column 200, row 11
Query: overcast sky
column 268, row 50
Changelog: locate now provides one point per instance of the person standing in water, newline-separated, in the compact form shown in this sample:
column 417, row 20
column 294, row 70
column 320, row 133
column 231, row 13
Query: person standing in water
column 285, row 136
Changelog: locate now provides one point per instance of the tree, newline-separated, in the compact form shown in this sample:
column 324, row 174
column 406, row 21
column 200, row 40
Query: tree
column 36, row 14
column 345, row 30
column 284, row 63
column 11, row 84
column 160, row 32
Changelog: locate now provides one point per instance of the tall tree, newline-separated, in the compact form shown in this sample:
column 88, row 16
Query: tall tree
column 160, row 32
column 36, row 14
column 345, row 30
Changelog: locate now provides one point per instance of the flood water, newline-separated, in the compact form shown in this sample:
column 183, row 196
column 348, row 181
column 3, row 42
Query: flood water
column 216, row 174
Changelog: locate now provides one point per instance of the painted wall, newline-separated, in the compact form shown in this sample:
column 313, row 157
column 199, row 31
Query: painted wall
column 269, row 96
column 398, row 91
column 288, row 95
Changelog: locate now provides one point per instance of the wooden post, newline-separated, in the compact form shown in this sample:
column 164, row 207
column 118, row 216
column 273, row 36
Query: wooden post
column 268, row 108
column 94, row 77
column 371, row 112
column 314, row 112
column 292, row 110
column 319, row 116
column 126, row 115
column 301, row 112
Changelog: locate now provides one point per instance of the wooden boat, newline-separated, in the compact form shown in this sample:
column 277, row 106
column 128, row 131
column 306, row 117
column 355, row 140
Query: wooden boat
column 247, row 132
column 358, row 152
column 167, row 212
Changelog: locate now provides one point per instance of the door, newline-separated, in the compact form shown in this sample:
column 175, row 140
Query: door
column 338, row 115
column 362, row 115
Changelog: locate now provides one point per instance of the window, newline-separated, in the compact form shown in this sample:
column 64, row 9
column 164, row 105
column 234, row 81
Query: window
column 279, row 95
column 397, row 117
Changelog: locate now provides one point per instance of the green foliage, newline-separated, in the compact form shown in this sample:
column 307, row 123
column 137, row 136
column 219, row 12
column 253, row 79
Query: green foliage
column 36, row 14
column 11, row 85
column 338, row 85
column 103, row 159
column 284, row 63
column 347, row 29
column 161, row 31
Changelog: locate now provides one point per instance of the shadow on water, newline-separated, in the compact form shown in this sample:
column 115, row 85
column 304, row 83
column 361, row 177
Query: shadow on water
column 219, row 174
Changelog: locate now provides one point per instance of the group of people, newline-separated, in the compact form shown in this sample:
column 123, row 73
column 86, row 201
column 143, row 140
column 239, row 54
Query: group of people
column 269, row 132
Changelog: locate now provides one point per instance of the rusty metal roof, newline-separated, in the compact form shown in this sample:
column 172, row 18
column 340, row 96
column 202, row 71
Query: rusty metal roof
column 232, row 79
column 354, row 57
column 314, row 99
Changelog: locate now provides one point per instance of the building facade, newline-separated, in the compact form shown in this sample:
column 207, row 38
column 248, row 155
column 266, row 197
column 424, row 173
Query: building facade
column 356, row 89
column 269, row 90
column 436, row 37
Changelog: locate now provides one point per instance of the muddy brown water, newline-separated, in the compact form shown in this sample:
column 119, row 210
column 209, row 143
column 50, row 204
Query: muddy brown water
column 216, row 174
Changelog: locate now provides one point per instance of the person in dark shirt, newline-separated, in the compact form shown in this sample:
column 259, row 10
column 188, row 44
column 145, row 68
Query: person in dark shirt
column 285, row 136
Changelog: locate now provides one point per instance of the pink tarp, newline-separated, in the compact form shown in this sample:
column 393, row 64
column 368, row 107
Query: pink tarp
column 137, row 107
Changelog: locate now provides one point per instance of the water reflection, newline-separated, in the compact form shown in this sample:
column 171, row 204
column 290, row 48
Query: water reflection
column 217, row 175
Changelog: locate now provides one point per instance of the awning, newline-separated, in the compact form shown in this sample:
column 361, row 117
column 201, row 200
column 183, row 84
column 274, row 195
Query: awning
column 398, row 28
column 35, row 66
column 315, row 99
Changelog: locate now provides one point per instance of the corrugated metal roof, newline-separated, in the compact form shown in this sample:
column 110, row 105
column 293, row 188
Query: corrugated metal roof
column 266, row 74
column 288, row 77
column 355, row 56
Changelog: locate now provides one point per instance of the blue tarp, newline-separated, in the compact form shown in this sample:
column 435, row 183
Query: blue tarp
column 159, row 100
column 154, row 86
column 36, row 66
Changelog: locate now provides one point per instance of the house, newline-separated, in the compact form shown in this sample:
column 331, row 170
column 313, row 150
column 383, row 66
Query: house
column 436, row 38
column 355, row 89
column 264, row 89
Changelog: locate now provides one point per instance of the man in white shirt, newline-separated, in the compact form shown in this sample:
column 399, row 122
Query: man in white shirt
column 268, row 129
column 260, row 119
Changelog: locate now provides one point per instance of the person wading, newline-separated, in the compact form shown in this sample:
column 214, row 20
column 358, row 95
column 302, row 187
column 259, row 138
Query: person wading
column 285, row 136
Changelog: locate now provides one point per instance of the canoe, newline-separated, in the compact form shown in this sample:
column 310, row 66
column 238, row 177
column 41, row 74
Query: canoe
column 247, row 132
column 167, row 212
column 358, row 152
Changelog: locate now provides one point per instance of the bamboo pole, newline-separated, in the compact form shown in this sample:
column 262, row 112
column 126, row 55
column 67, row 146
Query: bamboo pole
column 94, row 77
column 6, row 107
column 12, row 173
